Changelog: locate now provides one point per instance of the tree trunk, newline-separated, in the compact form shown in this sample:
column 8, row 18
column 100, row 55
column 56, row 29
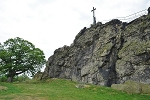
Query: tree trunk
column 11, row 76
column 10, row 79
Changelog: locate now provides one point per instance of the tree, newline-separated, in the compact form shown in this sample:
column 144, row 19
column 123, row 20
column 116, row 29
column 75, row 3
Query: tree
column 19, row 56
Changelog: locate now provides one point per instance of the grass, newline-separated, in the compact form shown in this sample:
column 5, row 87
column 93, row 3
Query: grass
column 59, row 89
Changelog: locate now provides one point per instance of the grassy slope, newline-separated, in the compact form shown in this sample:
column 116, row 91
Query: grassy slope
column 58, row 89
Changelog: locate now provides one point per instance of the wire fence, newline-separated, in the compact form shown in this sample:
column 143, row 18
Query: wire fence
column 129, row 18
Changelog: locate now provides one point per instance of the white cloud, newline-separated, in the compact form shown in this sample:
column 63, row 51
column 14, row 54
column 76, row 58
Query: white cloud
column 50, row 24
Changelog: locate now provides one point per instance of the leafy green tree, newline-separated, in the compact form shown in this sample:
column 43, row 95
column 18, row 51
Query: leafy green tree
column 20, row 56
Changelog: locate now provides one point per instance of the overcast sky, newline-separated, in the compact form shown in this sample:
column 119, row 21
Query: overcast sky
column 50, row 24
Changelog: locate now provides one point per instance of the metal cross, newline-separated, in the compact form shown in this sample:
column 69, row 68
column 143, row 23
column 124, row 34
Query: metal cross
column 94, row 18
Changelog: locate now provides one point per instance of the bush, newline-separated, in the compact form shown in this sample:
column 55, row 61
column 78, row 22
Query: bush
column 3, row 78
column 21, row 78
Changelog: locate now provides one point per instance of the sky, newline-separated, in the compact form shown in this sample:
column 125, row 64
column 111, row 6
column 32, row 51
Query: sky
column 51, row 24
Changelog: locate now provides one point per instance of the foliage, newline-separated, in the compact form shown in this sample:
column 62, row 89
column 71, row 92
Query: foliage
column 20, row 56
column 58, row 89
column 3, row 78
column 19, row 78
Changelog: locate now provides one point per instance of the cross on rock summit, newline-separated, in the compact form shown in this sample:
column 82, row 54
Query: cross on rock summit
column 94, row 18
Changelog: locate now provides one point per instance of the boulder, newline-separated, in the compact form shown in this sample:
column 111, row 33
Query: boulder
column 38, row 76
column 132, row 87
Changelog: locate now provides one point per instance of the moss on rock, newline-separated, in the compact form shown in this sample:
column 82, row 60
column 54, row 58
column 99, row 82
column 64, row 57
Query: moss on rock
column 134, row 47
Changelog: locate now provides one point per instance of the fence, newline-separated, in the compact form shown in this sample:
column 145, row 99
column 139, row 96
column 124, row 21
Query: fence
column 130, row 17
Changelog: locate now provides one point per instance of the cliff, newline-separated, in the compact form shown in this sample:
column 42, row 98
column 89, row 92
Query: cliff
column 105, row 54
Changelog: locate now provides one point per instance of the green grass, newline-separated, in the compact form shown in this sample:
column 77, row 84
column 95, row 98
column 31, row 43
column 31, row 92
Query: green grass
column 58, row 89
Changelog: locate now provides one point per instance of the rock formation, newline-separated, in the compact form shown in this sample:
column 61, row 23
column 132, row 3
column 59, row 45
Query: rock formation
column 105, row 54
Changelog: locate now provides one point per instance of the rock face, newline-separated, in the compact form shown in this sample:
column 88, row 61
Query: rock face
column 105, row 54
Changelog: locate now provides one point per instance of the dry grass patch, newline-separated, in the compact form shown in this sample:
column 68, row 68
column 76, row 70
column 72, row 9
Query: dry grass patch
column 22, row 97
column 3, row 88
column 29, row 98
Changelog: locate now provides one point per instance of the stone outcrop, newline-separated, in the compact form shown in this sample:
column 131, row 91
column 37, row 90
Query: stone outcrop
column 105, row 54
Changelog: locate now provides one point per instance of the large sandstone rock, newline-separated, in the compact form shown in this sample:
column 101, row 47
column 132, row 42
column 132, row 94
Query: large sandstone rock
column 132, row 87
column 105, row 54
column 38, row 76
